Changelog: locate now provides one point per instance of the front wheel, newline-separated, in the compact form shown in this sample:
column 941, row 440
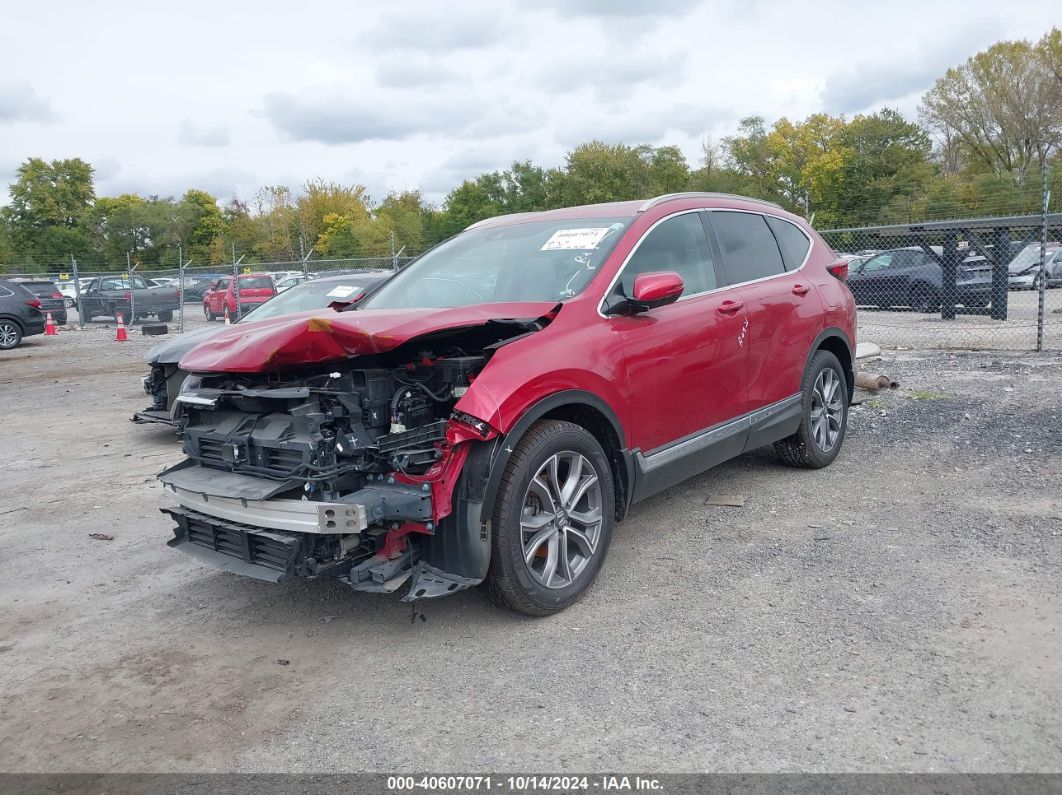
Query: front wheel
column 552, row 520
column 824, row 416
column 208, row 314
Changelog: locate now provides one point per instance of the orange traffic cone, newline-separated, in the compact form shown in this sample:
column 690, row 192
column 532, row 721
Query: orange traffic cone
column 227, row 321
column 120, row 334
column 49, row 325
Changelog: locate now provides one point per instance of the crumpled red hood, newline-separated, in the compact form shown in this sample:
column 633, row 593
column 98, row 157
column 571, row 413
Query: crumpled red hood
column 321, row 336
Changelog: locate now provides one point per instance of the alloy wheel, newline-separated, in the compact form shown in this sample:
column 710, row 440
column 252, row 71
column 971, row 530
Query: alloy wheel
column 560, row 521
column 8, row 335
column 827, row 410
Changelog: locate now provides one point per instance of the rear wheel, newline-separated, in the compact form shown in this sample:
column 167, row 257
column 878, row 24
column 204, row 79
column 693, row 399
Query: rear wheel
column 922, row 299
column 824, row 416
column 166, row 316
column 10, row 335
column 552, row 520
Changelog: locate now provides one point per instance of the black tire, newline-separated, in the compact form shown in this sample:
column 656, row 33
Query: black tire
column 923, row 300
column 801, row 449
column 208, row 314
column 10, row 335
column 165, row 316
column 512, row 581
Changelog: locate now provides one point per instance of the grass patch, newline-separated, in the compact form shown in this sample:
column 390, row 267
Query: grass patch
column 877, row 404
column 925, row 394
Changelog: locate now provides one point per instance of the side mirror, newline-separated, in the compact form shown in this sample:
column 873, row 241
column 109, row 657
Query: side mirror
column 655, row 289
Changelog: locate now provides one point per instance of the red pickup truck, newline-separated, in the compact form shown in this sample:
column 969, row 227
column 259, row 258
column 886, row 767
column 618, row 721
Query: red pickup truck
column 220, row 300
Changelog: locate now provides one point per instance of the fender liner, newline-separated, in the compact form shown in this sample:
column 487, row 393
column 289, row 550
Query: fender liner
column 835, row 333
column 461, row 544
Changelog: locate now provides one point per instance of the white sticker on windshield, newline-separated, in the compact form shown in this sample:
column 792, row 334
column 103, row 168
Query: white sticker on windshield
column 343, row 291
column 575, row 239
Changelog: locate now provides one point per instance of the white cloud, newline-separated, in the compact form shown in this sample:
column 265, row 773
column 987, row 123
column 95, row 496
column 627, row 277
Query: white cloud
column 397, row 96
column 19, row 102
column 194, row 135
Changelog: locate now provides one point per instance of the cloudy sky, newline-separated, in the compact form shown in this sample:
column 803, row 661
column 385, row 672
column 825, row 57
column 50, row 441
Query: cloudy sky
column 228, row 96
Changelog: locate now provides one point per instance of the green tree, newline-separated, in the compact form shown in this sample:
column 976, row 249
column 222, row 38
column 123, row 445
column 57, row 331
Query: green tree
column 49, row 207
column 599, row 172
column 1002, row 108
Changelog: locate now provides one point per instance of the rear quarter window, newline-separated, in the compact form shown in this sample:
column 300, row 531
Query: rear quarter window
column 792, row 242
column 749, row 248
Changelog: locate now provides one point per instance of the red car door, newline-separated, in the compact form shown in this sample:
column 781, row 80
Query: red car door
column 685, row 362
column 216, row 296
column 784, row 308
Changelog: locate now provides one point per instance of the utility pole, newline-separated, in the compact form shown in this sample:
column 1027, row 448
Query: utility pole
column 180, row 286
column 132, row 293
column 236, row 280
column 1043, row 257
column 77, row 292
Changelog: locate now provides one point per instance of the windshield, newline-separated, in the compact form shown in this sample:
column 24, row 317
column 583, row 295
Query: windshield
column 1028, row 258
column 311, row 295
column 535, row 261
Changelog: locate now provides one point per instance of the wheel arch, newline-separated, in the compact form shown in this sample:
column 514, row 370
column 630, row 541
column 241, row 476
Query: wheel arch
column 836, row 341
column 461, row 544
column 16, row 320
column 586, row 410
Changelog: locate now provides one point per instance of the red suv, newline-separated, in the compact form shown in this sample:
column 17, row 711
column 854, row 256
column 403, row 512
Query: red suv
column 493, row 409
column 220, row 300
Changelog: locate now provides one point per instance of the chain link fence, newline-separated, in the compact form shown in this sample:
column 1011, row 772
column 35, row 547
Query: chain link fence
column 975, row 284
column 96, row 295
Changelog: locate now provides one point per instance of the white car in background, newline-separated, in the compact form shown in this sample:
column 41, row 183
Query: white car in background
column 288, row 282
column 1023, row 272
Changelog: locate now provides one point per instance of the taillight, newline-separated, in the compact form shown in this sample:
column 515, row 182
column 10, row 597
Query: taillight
column 35, row 303
column 58, row 296
column 128, row 295
column 839, row 270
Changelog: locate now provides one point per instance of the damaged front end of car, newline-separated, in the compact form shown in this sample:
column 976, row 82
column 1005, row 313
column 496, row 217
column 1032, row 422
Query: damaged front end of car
column 362, row 468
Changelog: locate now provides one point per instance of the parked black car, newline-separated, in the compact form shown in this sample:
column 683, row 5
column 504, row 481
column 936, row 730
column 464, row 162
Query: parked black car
column 913, row 277
column 115, row 295
column 20, row 314
column 51, row 299
column 195, row 287
column 164, row 382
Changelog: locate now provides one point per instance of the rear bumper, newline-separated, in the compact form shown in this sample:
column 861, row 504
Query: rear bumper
column 34, row 325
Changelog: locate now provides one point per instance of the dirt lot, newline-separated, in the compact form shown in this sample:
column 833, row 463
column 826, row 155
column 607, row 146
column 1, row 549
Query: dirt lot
column 899, row 611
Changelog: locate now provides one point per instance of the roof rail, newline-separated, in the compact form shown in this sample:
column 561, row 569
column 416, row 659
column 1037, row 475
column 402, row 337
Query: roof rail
column 701, row 195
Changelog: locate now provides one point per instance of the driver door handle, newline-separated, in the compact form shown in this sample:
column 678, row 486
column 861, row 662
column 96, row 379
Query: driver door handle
column 729, row 307
column 800, row 289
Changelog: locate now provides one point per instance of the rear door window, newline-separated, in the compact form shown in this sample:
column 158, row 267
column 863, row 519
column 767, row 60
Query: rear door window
column 793, row 243
column 749, row 248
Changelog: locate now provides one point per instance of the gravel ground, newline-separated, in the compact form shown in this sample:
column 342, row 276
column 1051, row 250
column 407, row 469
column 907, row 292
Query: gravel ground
column 896, row 612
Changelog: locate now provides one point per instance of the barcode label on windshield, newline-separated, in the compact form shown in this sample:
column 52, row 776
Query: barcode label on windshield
column 575, row 239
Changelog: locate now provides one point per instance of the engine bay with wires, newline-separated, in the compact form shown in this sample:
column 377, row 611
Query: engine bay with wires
column 329, row 431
